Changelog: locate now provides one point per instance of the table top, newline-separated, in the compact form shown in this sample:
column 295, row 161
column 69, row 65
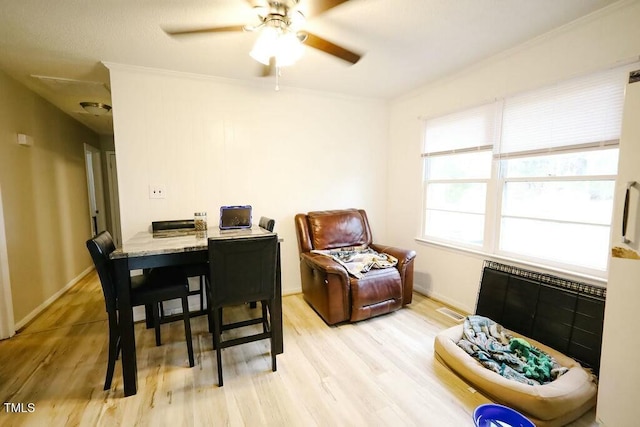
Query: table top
column 146, row 243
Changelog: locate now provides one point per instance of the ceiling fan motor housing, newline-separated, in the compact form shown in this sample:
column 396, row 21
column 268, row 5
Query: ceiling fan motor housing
column 279, row 14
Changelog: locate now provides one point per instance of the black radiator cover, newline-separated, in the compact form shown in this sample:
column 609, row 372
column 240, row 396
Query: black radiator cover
column 563, row 314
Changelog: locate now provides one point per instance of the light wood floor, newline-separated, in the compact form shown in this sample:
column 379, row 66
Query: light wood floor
column 377, row 372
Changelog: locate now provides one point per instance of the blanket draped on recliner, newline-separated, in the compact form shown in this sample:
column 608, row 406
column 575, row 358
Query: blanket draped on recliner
column 360, row 259
column 513, row 358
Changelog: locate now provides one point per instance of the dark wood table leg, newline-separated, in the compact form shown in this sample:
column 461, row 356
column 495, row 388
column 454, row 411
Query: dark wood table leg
column 276, row 314
column 127, row 335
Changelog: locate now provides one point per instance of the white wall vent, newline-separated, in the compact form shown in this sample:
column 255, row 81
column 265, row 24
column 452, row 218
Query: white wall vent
column 450, row 313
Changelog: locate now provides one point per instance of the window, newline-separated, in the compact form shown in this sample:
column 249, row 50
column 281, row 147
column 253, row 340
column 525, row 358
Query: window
column 558, row 207
column 458, row 158
column 529, row 177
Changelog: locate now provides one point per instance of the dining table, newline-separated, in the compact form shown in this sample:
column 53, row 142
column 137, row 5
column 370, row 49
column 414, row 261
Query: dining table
column 146, row 250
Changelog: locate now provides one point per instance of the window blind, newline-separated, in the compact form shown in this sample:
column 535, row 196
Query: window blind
column 585, row 111
column 469, row 130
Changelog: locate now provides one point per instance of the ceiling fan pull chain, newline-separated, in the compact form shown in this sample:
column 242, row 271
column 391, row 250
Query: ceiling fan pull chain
column 277, row 78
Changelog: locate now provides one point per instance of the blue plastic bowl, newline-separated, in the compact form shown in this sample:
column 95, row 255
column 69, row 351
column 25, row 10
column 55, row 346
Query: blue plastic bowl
column 492, row 415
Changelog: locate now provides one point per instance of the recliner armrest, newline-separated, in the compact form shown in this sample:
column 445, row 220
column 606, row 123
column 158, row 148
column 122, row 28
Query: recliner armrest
column 403, row 255
column 325, row 264
column 405, row 268
column 326, row 286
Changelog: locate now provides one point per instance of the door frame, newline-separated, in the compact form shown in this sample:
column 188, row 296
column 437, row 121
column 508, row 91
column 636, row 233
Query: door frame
column 95, row 189
column 7, row 323
column 114, row 197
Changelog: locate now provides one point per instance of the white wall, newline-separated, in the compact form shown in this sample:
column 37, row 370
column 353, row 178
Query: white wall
column 214, row 142
column 598, row 41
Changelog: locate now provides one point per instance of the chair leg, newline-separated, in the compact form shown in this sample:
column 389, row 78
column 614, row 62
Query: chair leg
column 265, row 323
column 187, row 329
column 114, row 347
column 148, row 315
column 215, row 317
column 161, row 311
column 202, row 286
column 156, row 324
column 209, row 309
column 272, row 342
column 210, row 321
column 216, row 343
column 274, row 366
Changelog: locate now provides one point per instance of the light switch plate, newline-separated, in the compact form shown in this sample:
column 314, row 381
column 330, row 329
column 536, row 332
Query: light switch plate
column 157, row 192
column 25, row 140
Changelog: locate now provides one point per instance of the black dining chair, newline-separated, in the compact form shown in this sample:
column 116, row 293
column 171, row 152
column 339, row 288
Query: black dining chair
column 192, row 270
column 148, row 289
column 267, row 224
column 241, row 271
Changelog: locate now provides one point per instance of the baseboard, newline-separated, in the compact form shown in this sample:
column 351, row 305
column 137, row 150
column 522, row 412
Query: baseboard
column 441, row 298
column 39, row 309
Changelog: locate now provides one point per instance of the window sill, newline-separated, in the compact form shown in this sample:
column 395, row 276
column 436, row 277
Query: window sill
column 479, row 254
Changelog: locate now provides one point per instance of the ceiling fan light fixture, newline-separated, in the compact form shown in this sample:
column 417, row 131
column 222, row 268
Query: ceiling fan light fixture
column 283, row 45
column 265, row 46
column 289, row 49
column 95, row 108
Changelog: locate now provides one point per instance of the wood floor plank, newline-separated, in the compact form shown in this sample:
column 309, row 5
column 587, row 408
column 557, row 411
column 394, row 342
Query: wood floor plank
column 377, row 372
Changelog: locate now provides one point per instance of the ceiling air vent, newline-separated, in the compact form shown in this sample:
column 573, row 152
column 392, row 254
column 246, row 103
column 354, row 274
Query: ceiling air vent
column 82, row 88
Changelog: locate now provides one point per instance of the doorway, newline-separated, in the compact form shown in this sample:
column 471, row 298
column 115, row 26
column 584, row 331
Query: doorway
column 95, row 189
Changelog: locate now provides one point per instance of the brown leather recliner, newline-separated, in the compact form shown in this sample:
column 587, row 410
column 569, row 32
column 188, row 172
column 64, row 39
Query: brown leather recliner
column 328, row 288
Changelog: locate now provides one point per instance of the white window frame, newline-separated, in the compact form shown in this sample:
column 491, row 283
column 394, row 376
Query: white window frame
column 494, row 198
column 426, row 182
column 501, row 184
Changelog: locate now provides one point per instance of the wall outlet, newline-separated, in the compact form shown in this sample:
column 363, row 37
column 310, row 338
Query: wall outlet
column 157, row 192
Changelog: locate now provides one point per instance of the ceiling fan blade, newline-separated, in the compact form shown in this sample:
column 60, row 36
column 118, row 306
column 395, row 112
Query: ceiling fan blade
column 204, row 30
column 324, row 45
column 316, row 7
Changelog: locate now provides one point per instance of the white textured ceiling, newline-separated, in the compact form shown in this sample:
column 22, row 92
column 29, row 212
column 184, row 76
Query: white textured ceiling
column 406, row 43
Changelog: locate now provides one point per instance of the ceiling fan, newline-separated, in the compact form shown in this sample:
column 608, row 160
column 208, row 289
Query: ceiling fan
column 281, row 38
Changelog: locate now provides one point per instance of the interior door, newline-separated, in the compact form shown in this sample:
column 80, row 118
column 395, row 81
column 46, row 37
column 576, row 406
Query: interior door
column 95, row 189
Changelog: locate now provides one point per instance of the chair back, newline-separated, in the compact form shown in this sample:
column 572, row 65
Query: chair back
column 267, row 223
column 242, row 270
column 332, row 229
column 173, row 224
column 100, row 247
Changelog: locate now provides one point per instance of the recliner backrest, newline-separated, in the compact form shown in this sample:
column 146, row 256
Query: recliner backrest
column 334, row 229
column 100, row 247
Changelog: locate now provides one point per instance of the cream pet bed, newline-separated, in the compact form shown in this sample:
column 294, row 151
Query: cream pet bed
column 553, row 404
